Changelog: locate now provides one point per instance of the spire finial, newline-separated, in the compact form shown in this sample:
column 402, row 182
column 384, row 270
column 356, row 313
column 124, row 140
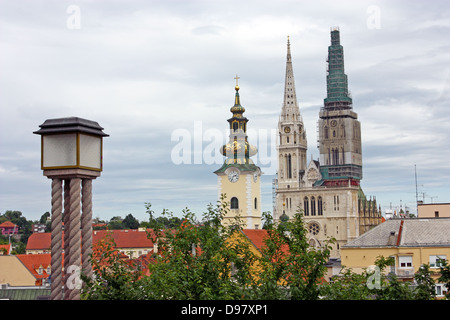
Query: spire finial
column 237, row 83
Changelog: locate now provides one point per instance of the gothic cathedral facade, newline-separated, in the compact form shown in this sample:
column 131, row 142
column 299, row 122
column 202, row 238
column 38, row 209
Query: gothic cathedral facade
column 327, row 191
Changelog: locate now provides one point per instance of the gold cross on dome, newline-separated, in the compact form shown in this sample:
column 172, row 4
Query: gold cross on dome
column 237, row 79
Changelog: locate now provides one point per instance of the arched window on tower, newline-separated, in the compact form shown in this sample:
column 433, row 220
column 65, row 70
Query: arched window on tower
column 335, row 153
column 256, row 203
column 234, row 203
column 289, row 167
column 235, row 126
column 313, row 206
column 306, row 206
column 319, row 206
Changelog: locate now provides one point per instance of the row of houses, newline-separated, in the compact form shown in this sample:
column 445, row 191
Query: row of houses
column 411, row 242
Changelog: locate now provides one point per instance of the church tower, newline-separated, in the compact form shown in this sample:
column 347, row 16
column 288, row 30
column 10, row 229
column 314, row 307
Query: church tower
column 239, row 178
column 292, row 143
column 327, row 191
column 339, row 129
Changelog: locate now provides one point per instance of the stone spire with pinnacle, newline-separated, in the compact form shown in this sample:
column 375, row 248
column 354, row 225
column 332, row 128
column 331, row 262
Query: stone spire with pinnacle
column 292, row 143
column 290, row 106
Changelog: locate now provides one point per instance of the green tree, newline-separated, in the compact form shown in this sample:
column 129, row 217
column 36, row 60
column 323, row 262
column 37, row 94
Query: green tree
column 425, row 284
column 130, row 222
column 347, row 285
column 114, row 278
column 445, row 275
column 291, row 268
column 44, row 218
column 197, row 261
column 115, row 223
column 391, row 287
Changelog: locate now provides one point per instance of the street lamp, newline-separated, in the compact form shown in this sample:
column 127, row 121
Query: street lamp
column 71, row 152
column 71, row 143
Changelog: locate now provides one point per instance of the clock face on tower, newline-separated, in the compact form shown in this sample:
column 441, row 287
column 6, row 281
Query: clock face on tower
column 233, row 176
column 287, row 129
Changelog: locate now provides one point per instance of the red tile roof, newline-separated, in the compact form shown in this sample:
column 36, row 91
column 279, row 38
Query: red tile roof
column 7, row 224
column 39, row 241
column 7, row 247
column 123, row 238
column 130, row 238
column 34, row 261
column 256, row 236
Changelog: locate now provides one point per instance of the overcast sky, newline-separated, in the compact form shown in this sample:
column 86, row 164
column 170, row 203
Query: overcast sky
column 159, row 75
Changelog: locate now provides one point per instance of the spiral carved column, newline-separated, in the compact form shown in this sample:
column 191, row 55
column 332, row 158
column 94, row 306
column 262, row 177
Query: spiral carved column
column 86, row 223
column 73, row 250
column 56, row 240
column 66, row 228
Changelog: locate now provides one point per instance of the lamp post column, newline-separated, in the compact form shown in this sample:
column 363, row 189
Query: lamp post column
column 86, row 231
column 56, row 242
column 73, row 249
column 71, row 151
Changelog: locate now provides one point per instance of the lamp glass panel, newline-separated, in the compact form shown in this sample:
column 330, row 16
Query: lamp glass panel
column 59, row 150
column 90, row 151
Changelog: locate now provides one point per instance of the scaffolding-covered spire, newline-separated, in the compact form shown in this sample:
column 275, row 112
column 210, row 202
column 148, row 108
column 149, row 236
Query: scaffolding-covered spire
column 338, row 96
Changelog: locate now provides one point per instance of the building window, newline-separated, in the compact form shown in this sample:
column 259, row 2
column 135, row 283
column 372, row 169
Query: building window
column 441, row 290
column 405, row 261
column 436, row 214
column 336, row 202
column 435, row 261
column 313, row 206
column 314, row 229
column 306, row 206
column 234, row 203
column 235, row 126
column 289, row 167
column 256, row 203
column 319, row 206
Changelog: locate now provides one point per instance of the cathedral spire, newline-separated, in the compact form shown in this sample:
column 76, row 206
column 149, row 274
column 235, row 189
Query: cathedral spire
column 338, row 96
column 290, row 106
column 292, row 143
